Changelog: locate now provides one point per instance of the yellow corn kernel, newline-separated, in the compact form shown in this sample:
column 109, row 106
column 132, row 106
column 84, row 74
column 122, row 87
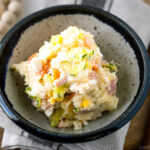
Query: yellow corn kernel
column 109, row 78
column 81, row 35
column 56, row 39
column 59, row 99
column 47, row 78
column 83, row 51
column 52, row 100
column 89, row 65
column 50, row 93
column 85, row 103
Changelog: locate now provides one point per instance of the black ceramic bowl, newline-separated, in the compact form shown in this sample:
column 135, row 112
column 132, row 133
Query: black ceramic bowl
column 134, row 73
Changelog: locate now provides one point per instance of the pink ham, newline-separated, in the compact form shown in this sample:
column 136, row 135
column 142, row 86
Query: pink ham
column 87, row 42
column 65, row 123
column 46, row 106
column 97, row 61
column 92, row 75
column 62, row 80
column 112, row 88
column 61, row 124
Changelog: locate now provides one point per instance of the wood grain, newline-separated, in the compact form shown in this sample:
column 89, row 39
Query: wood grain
column 147, row 1
column 1, row 135
column 137, row 127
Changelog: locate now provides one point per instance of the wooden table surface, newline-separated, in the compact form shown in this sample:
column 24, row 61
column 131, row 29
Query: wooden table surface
column 135, row 135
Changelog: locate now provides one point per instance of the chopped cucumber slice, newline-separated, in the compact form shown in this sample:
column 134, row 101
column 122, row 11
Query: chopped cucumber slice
column 76, row 109
column 59, row 92
column 84, row 55
column 56, row 117
column 74, row 68
column 38, row 102
column 112, row 67
column 27, row 90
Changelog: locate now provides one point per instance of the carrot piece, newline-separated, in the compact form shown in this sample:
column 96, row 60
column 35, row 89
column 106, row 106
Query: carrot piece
column 47, row 65
column 42, row 72
column 94, row 67
column 71, row 95
column 45, row 68
column 56, row 73
column 86, row 43
column 32, row 56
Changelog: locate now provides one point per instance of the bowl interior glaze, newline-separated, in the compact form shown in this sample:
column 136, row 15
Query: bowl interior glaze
column 112, row 45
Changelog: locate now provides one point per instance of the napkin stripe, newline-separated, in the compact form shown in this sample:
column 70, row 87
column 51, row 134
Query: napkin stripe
column 103, row 4
column 75, row 2
column 50, row 144
column 98, row 3
column 22, row 133
column 110, row 5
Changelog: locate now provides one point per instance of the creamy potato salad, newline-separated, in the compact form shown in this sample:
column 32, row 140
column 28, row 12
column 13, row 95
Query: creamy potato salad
column 69, row 80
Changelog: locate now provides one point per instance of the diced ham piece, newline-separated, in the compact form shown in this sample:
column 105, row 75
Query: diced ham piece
column 92, row 75
column 62, row 80
column 83, row 112
column 96, row 63
column 94, row 66
column 61, row 124
column 65, row 123
column 87, row 42
column 112, row 88
column 46, row 106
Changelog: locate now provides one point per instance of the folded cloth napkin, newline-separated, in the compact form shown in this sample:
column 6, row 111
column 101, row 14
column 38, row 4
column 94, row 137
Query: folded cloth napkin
column 137, row 19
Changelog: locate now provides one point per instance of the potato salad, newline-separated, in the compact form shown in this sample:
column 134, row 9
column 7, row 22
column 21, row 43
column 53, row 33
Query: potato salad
column 69, row 80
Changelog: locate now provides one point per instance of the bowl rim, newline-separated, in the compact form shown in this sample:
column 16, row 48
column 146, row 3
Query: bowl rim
column 124, row 118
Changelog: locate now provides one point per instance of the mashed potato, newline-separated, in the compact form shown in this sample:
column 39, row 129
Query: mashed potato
column 69, row 80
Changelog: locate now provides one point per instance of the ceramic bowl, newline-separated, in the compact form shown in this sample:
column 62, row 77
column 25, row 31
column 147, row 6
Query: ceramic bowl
column 117, row 42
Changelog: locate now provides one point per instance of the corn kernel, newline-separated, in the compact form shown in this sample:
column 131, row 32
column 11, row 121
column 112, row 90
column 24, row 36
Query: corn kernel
column 81, row 35
column 89, row 65
column 59, row 99
column 47, row 78
column 50, row 93
column 83, row 51
column 109, row 78
column 56, row 39
column 52, row 100
column 85, row 103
